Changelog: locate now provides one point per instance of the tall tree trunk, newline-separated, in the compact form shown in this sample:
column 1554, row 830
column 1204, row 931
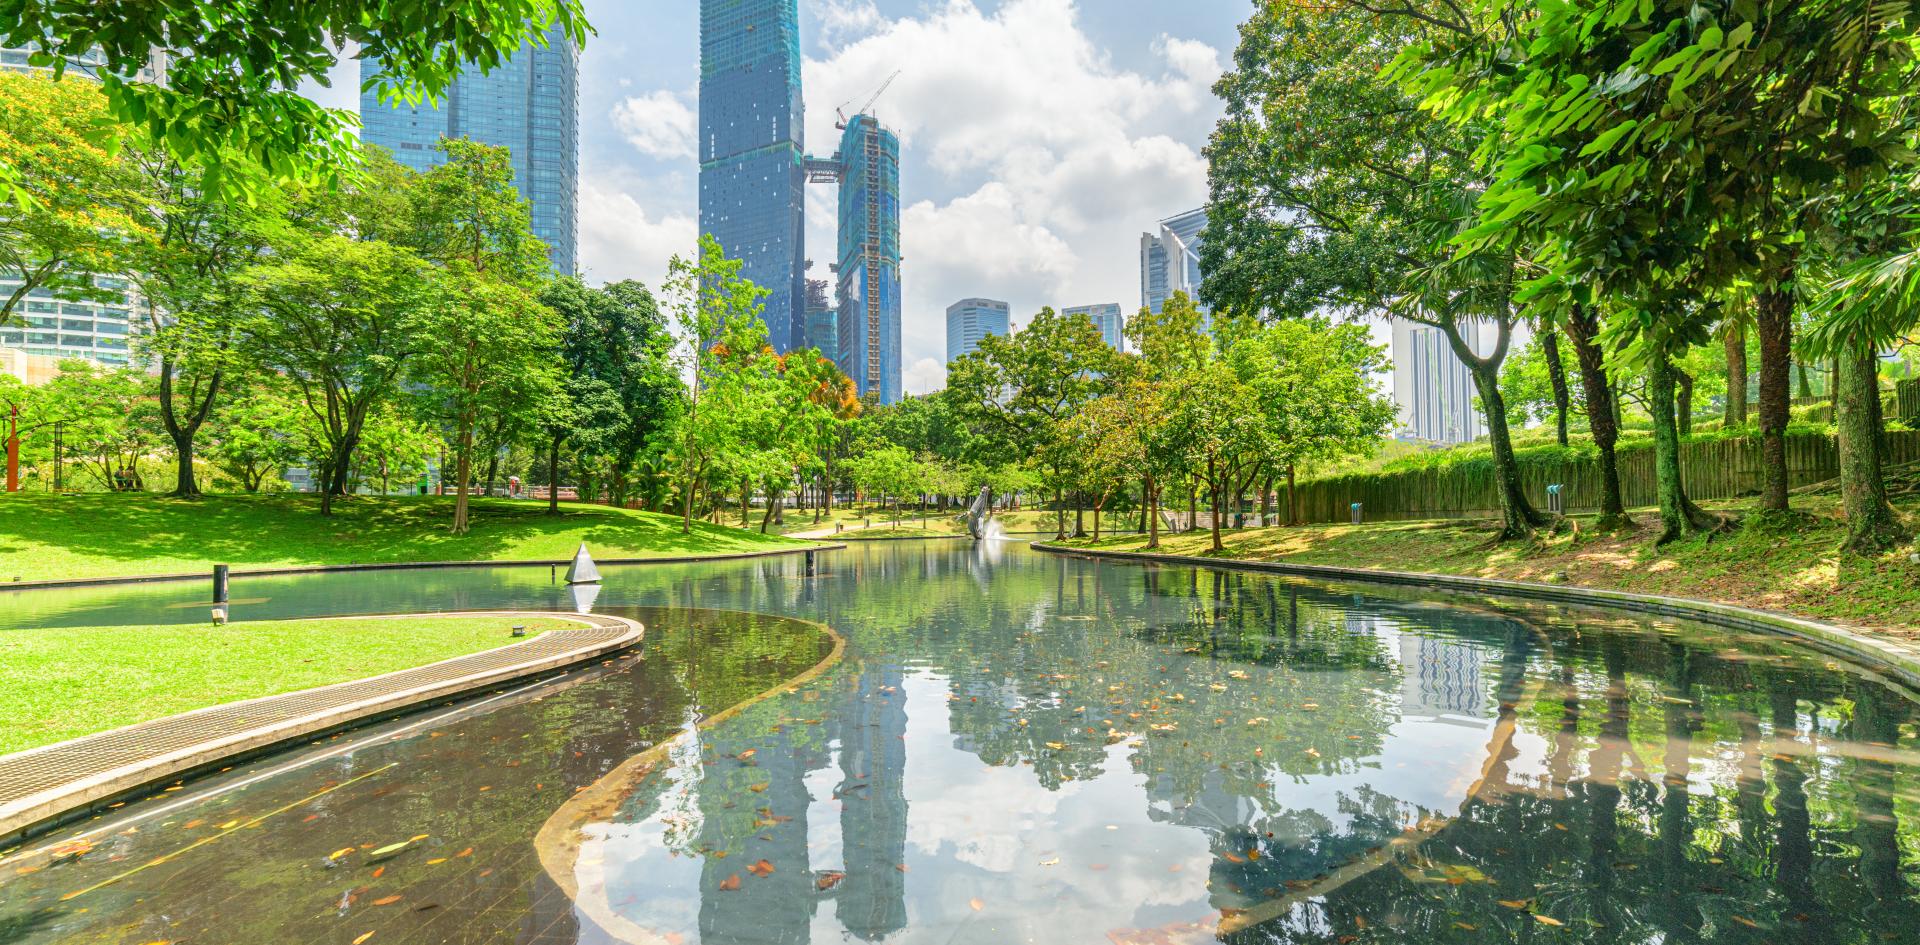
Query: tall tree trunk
column 1059, row 514
column 1872, row 526
column 1293, row 496
column 1266, row 500
column 1806, row 381
column 1736, row 344
column 1146, row 490
column 1557, row 374
column 182, row 429
column 1773, row 320
column 463, row 471
column 1678, row 514
column 1193, row 507
column 1583, row 329
column 1683, row 404
column 1519, row 516
column 1213, row 490
column 1152, row 501
column 493, row 470
column 1079, row 514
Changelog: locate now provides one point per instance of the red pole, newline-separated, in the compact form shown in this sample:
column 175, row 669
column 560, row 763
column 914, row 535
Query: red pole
column 13, row 449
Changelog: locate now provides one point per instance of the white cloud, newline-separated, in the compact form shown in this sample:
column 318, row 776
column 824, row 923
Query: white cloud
column 924, row 376
column 1059, row 158
column 619, row 241
column 844, row 20
column 657, row 124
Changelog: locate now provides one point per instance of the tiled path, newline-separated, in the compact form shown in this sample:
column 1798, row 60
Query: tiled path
column 47, row 782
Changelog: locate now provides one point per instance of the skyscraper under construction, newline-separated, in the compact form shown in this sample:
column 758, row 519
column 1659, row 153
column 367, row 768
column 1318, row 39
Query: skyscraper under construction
column 869, row 266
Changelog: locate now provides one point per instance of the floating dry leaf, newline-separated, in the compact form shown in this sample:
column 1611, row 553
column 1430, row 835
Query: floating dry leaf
column 388, row 900
column 1547, row 920
column 761, row 868
column 976, row 903
column 362, row 939
column 829, row 879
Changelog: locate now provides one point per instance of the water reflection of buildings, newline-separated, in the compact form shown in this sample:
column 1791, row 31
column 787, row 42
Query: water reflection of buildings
column 873, row 814
column 1439, row 677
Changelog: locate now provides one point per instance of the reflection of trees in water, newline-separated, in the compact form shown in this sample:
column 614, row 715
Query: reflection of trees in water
column 1622, row 843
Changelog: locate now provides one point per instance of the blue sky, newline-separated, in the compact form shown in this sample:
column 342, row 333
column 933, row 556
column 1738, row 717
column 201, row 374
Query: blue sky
column 1039, row 139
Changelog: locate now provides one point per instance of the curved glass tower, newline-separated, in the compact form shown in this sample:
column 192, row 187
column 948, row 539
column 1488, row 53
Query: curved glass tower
column 752, row 164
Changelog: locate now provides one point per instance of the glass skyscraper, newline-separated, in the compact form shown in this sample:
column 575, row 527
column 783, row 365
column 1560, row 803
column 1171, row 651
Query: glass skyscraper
column 1170, row 260
column 530, row 105
column 870, row 259
column 752, row 162
column 823, row 321
column 970, row 320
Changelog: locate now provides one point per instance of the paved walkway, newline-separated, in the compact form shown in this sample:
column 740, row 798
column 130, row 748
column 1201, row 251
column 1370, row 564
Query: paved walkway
column 48, row 782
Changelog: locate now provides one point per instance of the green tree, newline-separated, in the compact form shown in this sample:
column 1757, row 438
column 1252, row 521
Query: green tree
column 1019, row 391
column 77, row 205
column 484, row 345
column 231, row 90
column 707, row 296
column 337, row 318
column 250, row 433
column 1330, row 188
column 617, row 379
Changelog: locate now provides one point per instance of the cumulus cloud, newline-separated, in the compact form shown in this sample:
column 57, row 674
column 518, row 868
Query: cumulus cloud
column 657, row 124
column 1059, row 158
column 843, row 20
column 618, row 240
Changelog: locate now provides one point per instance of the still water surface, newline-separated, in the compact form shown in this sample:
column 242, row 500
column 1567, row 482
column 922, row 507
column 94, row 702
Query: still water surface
column 1020, row 748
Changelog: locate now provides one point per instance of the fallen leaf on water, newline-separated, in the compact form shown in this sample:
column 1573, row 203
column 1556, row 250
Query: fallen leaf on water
column 1514, row 903
column 761, row 868
column 757, row 788
column 829, row 879
column 391, row 849
column 731, row 883
column 362, row 938
column 749, row 753
column 379, row 872
column 1749, row 923
column 229, row 825
column 189, row 825
column 387, row 900
column 1463, row 925
column 436, row 861
column 1057, row 746
column 1547, row 920
column 976, row 904
column 466, row 852
column 343, row 851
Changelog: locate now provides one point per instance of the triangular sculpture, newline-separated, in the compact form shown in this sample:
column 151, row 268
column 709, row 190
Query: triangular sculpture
column 583, row 570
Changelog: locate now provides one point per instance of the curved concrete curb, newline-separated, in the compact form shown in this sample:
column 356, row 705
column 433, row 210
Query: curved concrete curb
column 403, row 566
column 43, row 787
column 1898, row 659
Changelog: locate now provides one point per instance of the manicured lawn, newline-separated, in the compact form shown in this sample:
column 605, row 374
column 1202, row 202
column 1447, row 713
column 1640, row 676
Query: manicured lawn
column 46, row 537
column 62, row 683
column 1794, row 568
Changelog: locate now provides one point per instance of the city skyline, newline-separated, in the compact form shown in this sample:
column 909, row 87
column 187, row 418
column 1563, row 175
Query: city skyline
column 1018, row 119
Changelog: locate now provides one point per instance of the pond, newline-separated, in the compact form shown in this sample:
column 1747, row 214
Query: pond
column 992, row 745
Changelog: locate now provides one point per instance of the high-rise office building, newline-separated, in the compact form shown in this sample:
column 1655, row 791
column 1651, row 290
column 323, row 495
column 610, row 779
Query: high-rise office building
column 1106, row 317
column 1432, row 387
column 530, row 105
column 47, row 328
column 970, row 320
column 1170, row 259
column 752, row 162
column 869, row 267
column 823, row 321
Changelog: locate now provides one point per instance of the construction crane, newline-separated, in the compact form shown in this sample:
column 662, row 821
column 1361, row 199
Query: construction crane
column 839, row 110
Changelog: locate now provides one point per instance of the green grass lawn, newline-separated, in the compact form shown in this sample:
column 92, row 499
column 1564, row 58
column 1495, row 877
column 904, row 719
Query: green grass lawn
column 1796, row 567
column 57, row 684
column 50, row 537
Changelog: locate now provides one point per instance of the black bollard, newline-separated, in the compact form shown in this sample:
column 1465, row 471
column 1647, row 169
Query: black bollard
column 810, row 571
column 220, row 583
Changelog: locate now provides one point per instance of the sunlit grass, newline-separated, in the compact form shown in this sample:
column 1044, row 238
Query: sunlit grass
column 46, row 537
column 62, row 683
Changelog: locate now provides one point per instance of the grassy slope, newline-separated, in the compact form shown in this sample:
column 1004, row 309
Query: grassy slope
column 46, row 537
column 62, row 683
column 1796, row 569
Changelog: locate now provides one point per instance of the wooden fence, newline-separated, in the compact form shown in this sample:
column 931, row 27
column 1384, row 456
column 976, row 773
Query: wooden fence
column 1907, row 401
column 1718, row 469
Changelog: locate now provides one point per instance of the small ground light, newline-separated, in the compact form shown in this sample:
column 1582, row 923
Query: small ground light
column 520, row 630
